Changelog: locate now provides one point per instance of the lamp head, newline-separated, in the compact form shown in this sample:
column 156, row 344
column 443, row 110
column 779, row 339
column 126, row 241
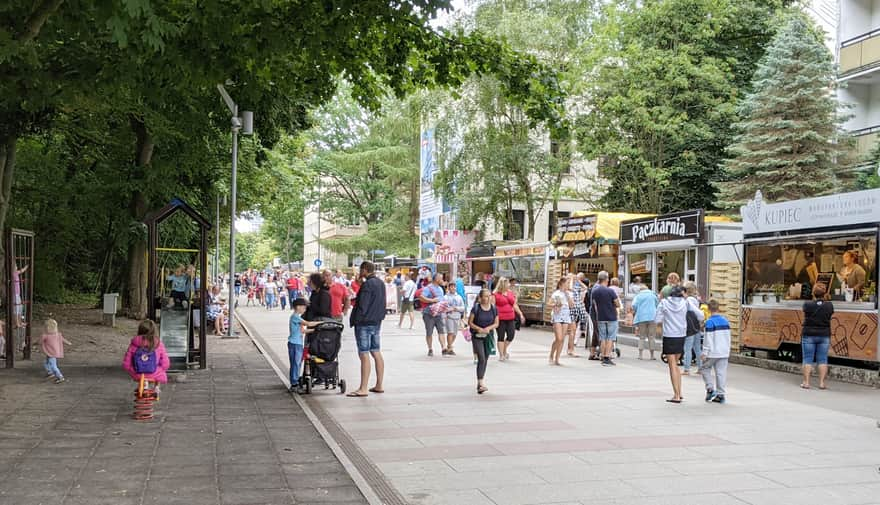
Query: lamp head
column 247, row 122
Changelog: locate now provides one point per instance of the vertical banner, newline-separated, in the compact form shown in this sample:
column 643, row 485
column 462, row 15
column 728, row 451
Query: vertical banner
column 430, row 206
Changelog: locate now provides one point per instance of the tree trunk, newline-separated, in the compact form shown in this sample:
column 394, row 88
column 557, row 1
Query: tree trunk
column 7, row 168
column 137, row 249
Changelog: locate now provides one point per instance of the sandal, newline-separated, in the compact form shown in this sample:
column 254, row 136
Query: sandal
column 673, row 400
column 355, row 394
column 482, row 389
column 374, row 390
column 805, row 385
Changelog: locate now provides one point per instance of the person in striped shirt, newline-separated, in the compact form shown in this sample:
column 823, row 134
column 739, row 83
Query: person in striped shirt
column 715, row 354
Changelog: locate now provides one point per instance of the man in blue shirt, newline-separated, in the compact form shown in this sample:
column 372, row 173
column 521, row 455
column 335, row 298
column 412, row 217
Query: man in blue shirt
column 295, row 340
column 644, row 306
column 606, row 303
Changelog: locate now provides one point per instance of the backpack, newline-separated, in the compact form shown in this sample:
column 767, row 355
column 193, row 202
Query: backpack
column 145, row 360
column 693, row 322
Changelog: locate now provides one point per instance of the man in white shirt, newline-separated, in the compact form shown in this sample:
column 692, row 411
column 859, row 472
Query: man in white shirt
column 406, row 303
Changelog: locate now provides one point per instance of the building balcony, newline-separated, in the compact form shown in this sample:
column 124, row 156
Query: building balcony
column 866, row 139
column 860, row 54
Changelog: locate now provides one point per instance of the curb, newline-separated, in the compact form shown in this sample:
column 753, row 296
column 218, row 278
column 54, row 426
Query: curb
column 355, row 474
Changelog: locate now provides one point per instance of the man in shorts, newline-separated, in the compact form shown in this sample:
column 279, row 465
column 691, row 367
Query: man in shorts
column 408, row 294
column 366, row 318
column 606, row 303
column 433, row 294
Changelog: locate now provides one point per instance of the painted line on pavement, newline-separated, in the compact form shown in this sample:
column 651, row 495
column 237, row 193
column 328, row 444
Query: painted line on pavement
column 355, row 474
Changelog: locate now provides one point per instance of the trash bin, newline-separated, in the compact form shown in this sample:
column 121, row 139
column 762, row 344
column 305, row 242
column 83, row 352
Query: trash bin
column 109, row 316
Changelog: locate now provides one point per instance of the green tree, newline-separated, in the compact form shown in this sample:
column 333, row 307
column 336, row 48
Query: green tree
column 790, row 144
column 869, row 175
column 666, row 77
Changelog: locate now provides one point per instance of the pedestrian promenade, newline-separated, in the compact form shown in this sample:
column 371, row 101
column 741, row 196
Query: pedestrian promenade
column 230, row 435
column 583, row 433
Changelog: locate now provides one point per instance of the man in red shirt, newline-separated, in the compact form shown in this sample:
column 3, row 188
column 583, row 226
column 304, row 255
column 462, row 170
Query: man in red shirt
column 339, row 301
column 294, row 287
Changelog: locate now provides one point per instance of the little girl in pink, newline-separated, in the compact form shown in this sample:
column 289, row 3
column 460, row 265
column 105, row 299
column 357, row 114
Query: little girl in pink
column 148, row 338
column 52, row 343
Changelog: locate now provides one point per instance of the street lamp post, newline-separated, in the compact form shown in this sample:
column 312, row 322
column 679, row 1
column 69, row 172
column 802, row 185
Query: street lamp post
column 244, row 124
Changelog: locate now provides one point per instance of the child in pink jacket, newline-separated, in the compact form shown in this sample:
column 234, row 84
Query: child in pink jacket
column 147, row 338
column 52, row 342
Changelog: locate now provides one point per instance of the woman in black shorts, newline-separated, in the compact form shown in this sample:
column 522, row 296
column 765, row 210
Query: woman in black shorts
column 672, row 314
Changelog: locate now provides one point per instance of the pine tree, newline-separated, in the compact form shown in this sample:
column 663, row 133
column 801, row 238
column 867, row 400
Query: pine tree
column 790, row 143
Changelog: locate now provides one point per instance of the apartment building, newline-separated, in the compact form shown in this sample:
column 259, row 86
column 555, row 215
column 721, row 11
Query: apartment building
column 858, row 56
column 316, row 228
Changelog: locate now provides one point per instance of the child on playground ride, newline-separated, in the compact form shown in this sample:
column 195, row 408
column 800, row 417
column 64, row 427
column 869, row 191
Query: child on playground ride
column 150, row 353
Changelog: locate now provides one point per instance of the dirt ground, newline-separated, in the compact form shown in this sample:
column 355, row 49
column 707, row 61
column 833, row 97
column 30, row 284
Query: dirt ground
column 92, row 343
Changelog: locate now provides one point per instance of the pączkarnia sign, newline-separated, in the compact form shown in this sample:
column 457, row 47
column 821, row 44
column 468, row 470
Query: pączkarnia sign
column 858, row 207
column 678, row 226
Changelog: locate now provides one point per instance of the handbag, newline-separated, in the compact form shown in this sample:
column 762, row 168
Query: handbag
column 489, row 342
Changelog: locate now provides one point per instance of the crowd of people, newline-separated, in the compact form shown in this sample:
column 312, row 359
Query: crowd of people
column 689, row 333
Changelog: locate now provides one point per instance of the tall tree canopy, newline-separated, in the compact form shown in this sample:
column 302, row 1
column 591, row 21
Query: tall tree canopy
column 666, row 77
column 790, row 144
column 141, row 77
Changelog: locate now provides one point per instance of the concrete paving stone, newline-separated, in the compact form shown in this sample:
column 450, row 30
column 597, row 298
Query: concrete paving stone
column 176, row 469
column 389, row 444
column 581, row 472
column 324, row 456
column 469, row 497
column 269, row 480
column 684, row 498
column 723, row 466
column 306, row 470
column 19, row 442
column 587, row 492
column 818, row 495
column 29, row 499
column 328, row 494
column 191, row 486
column 167, row 498
column 740, row 450
column 257, row 497
column 700, row 484
column 835, row 460
column 53, row 453
column 416, row 468
column 450, row 451
column 116, row 489
column 808, row 477
column 27, row 486
column 247, row 458
column 103, row 500
column 547, row 446
column 68, row 443
column 247, row 469
column 870, row 442
column 467, row 480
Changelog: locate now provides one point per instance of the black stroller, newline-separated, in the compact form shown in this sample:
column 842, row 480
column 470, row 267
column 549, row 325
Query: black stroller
column 320, row 364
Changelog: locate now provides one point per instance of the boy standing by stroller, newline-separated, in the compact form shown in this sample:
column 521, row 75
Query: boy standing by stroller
column 295, row 340
column 715, row 354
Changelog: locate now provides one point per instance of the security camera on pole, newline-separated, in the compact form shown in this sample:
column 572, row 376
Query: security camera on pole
column 245, row 124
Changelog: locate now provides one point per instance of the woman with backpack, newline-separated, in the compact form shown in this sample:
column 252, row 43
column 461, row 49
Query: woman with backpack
column 147, row 356
column 483, row 321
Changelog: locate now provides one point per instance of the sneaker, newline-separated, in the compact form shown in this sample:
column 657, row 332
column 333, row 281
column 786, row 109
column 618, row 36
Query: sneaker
column 59, row 380
column 606, row 362
column 451, row 352
column 430, row 352
column 50, row 376
column 710, row 395
column 445, row 352
column 719, row 399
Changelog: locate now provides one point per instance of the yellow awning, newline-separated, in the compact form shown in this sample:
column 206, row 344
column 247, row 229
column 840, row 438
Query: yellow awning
column 608, row 223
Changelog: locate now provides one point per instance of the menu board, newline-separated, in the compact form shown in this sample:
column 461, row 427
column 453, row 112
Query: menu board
column 575, row 229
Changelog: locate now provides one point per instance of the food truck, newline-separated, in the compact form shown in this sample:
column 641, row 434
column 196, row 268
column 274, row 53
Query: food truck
column 792, row 246
column 527, row 263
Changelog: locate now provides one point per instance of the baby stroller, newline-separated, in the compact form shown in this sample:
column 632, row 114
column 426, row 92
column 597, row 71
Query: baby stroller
column 320, row 365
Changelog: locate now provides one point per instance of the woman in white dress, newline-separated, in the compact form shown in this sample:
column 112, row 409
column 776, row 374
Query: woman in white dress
column 561, row 303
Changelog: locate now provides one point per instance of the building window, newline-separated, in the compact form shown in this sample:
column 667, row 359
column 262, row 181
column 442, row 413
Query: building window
column 554, row 221
column 515, row 230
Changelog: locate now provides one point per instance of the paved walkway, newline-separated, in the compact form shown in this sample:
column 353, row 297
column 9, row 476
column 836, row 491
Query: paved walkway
column 583, row 433
column 230, row 435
